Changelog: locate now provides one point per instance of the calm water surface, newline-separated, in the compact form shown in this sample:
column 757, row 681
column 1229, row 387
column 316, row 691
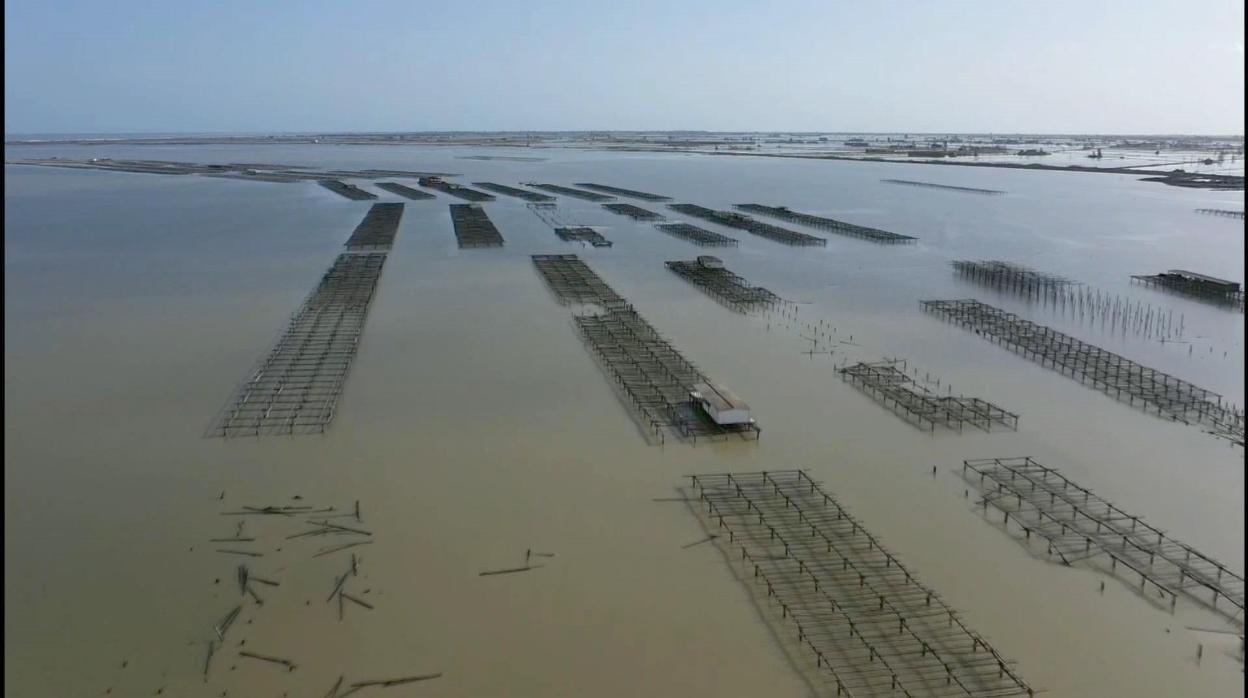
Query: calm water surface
column 474, row 426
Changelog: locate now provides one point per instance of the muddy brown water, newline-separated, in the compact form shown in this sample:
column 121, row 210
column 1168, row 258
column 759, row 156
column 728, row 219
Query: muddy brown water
column 475, row 426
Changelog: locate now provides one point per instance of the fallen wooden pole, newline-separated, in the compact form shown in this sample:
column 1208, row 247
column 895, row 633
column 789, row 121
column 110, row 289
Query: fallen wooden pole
column 268, row 658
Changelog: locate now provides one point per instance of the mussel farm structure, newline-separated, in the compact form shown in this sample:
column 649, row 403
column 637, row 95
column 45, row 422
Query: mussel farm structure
column 456, row 190
column 295, row 388
column 1189, row 283
column 743, row 222
column 514, row 192
column 698, row 236
column 1078, row 525
column 378, row 228
column 582, row 234
column 864, row 616
column 654, row 378
column 830, row 224
column 724, row 286
column 405, row 191
column 637, row 213
column 630, row 193
column 473, row 228
column 350, row 191
column 1111, row 373
column 574, row 193
column 890, row 385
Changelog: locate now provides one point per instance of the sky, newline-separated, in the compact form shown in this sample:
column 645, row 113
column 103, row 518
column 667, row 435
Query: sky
column 998, row 66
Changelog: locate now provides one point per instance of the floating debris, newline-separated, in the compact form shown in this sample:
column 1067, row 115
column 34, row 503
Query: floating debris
column 387, row 683
column 1221, row 212
column 455, row 190
column 510, row 570
column 342, row 547
column 290, row 666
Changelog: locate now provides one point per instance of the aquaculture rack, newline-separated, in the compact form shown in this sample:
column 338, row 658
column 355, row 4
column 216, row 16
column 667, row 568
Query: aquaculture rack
column 350, row 191
column 405, row 191
column 637, row 213
column 870, row 623
column 744, row 222
column 1007, row 275
column 473, row 228
column 295, row 388
column 1079, row 525
column 514, row 192
column 574, row 193
column 377, row 230
column 648, row 371
column 631, row 193
column 724, row 286
column 1113, row 374
column 698, row 236
column 890, row 385
column 829, row 224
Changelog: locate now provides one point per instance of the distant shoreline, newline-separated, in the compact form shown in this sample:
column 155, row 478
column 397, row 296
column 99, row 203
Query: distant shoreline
column 1176, row 178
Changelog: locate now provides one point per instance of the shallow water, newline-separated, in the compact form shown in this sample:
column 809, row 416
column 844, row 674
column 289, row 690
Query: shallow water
column 474, row 426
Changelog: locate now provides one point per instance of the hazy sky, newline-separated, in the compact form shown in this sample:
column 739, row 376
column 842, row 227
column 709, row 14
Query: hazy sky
column 1087, row 66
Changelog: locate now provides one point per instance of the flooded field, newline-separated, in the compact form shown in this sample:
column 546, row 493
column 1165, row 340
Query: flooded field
column 478, row 435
